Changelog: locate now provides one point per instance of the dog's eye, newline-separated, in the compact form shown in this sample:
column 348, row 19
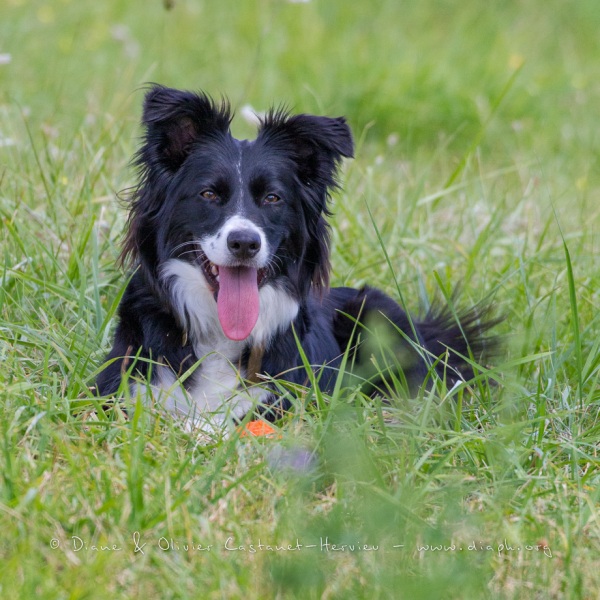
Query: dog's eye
column 208, row 195
column 271, row 199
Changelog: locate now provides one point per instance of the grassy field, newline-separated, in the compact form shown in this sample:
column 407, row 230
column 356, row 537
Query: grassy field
column 478, row 155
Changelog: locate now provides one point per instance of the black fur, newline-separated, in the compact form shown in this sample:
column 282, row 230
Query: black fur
column 187, row 150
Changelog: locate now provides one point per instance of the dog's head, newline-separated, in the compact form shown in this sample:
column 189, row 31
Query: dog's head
column 243, row 212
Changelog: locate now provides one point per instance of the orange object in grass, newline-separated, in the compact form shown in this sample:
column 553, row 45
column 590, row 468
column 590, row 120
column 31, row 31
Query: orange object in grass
column 257, row 428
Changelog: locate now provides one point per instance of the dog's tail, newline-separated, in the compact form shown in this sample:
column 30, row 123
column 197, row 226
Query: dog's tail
column 388, row 345
column 456, row 340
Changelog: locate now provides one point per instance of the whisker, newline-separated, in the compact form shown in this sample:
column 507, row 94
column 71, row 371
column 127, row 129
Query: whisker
column 196, row 251
column 195, row 247
column 274, row 265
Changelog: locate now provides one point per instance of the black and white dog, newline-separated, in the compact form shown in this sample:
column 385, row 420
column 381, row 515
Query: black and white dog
column 229, row 249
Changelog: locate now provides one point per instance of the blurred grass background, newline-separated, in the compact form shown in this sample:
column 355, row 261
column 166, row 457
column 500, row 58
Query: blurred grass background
column 477, row 127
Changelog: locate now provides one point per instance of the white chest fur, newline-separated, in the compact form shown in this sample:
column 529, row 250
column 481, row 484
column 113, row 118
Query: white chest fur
column 217, row 392
column 218, row 389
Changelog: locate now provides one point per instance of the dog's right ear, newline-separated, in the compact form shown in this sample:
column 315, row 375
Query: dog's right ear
column 174, row 121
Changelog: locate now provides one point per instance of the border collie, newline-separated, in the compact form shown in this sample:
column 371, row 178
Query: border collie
column 228, row 246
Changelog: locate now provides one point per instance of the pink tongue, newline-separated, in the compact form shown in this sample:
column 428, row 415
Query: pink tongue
column 237, row 301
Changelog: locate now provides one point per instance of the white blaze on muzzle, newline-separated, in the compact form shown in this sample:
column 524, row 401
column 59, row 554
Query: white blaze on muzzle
column 238, row 250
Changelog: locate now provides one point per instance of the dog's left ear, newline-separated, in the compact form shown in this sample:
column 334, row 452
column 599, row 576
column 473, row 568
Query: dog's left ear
column 317, row 144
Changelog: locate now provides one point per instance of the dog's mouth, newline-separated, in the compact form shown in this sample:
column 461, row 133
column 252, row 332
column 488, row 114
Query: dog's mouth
column 211, row 272
column 236, row 291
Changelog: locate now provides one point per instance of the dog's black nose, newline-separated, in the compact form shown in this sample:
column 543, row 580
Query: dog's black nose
column 243, row 243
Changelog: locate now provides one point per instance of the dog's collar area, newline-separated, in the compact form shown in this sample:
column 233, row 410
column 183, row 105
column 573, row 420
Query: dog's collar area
column 254, row 360
column 254, row 364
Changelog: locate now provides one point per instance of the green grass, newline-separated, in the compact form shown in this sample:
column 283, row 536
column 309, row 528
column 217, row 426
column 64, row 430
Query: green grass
column 477, row 162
